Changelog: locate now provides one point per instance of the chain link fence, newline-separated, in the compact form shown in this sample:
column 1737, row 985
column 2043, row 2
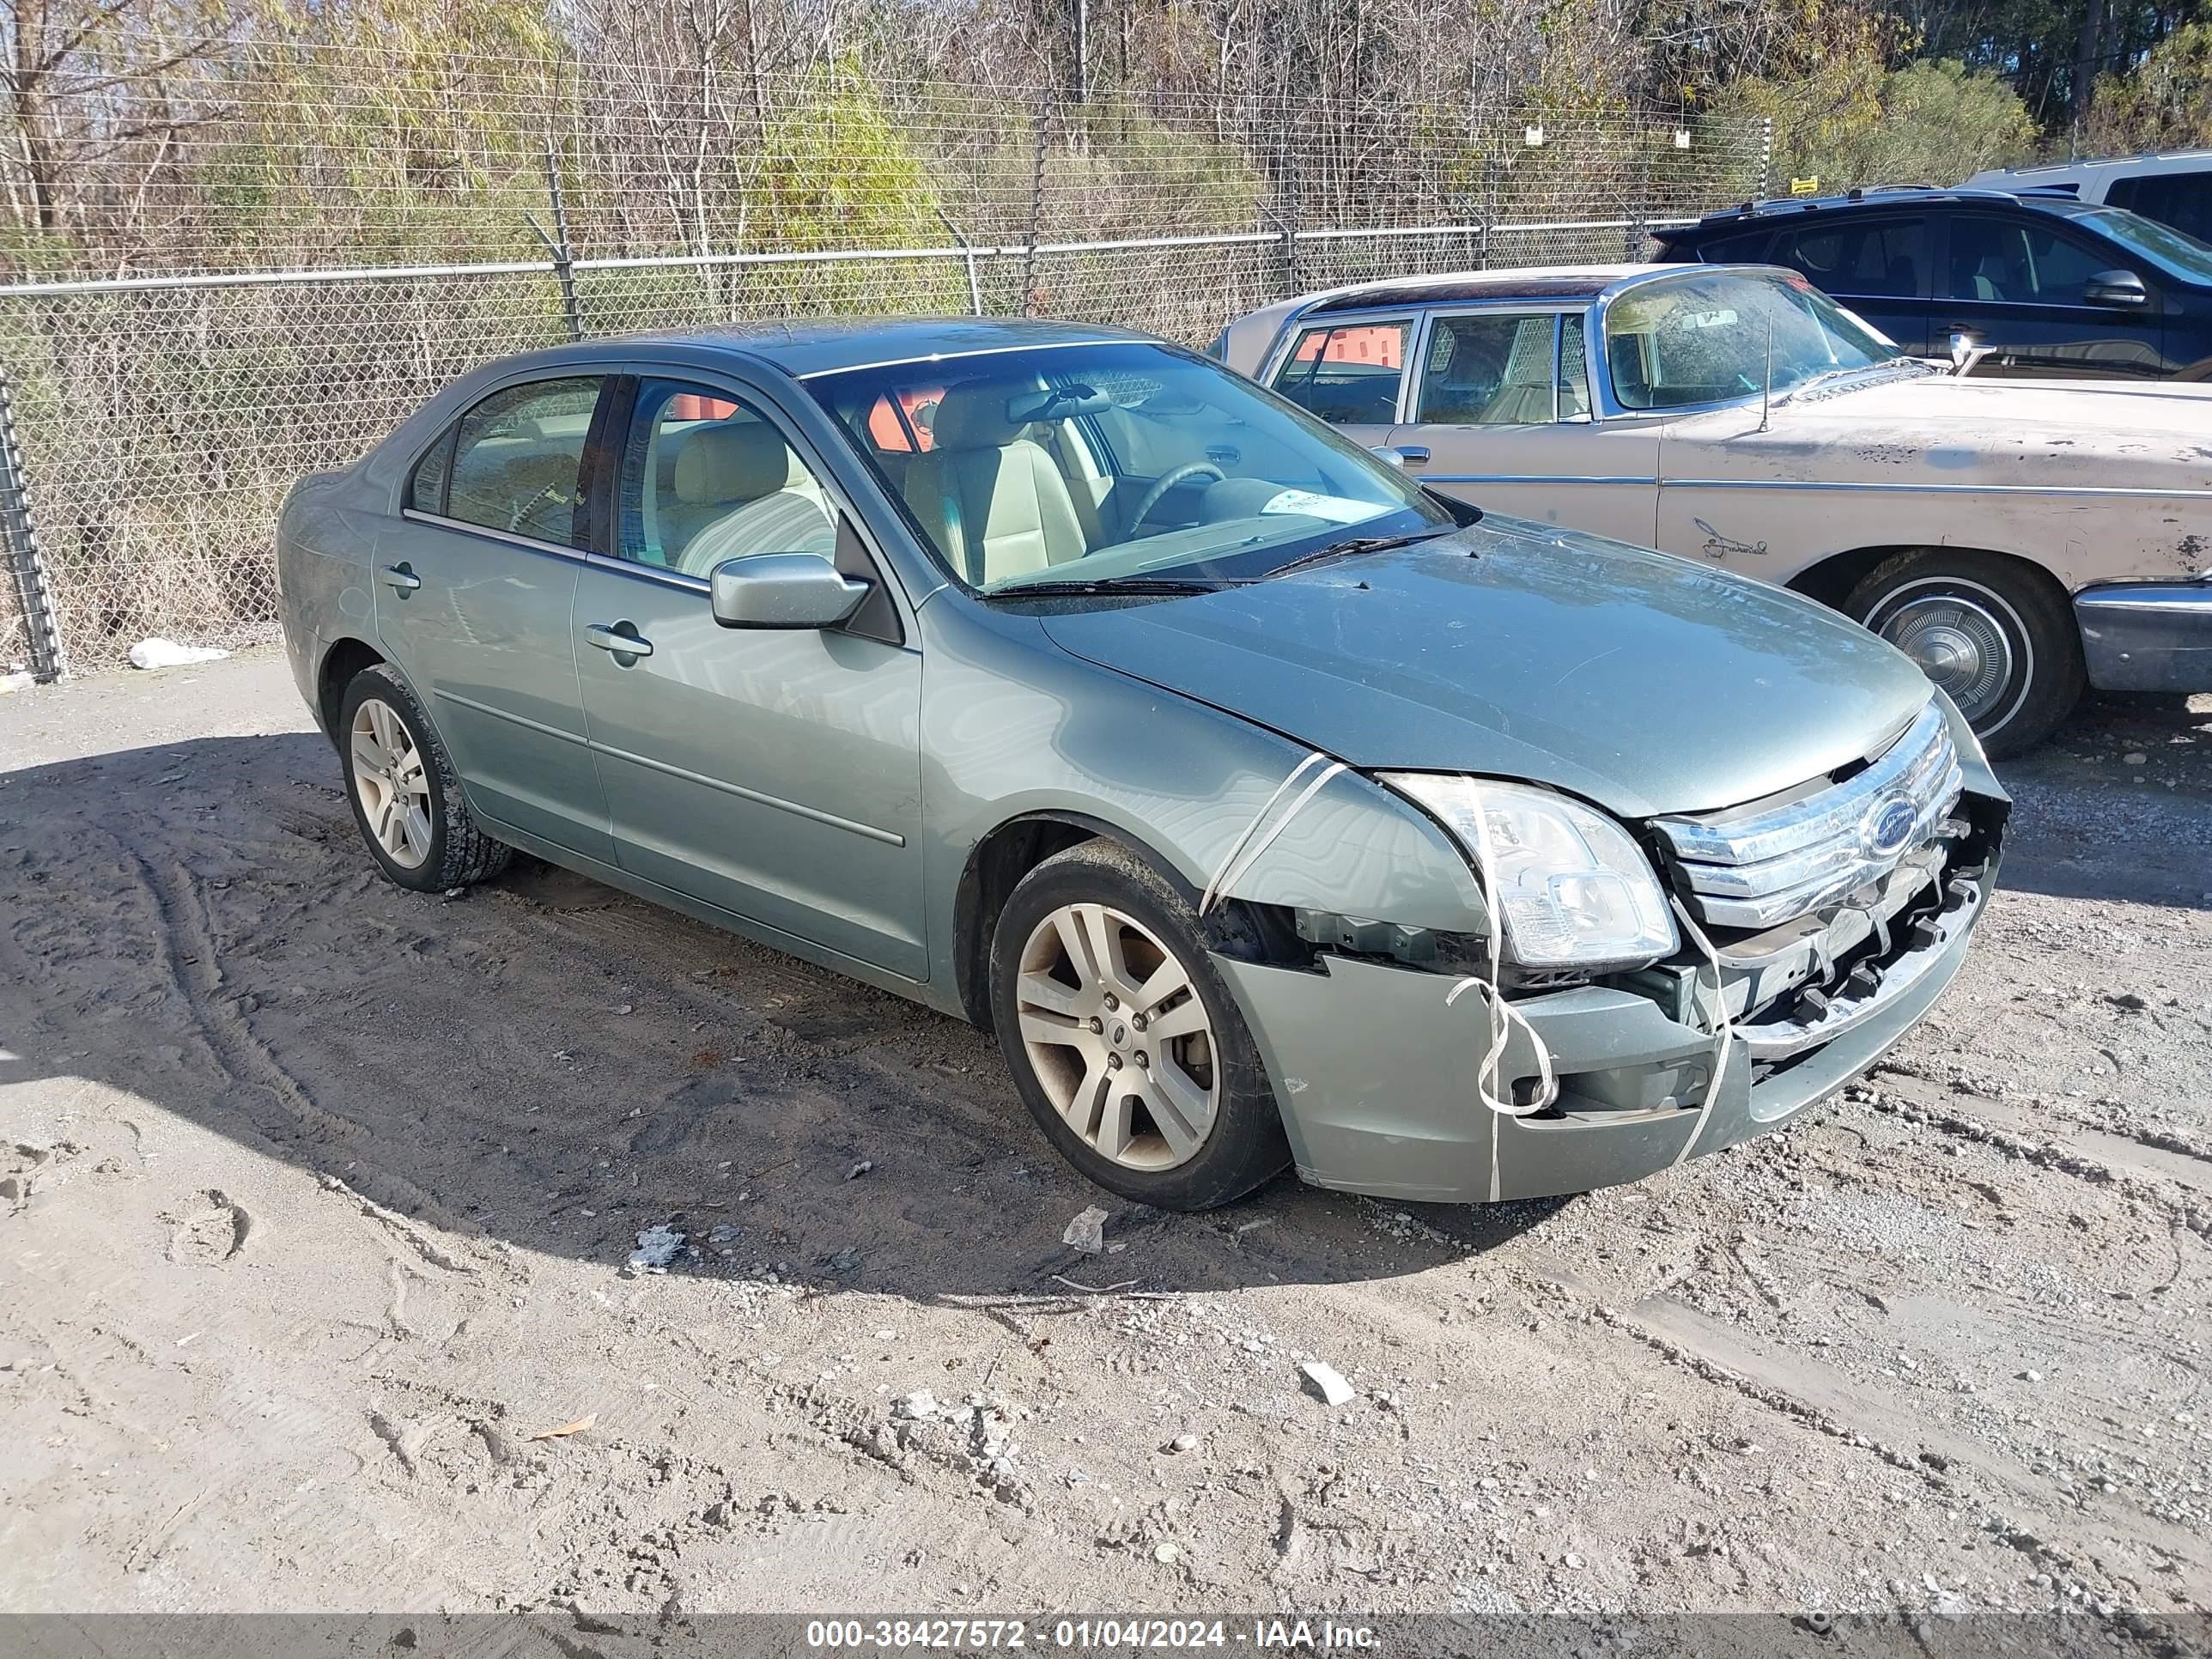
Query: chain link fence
column 317, row 241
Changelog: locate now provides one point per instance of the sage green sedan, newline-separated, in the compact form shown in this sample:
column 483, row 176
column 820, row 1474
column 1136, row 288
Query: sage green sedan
column 1271, row 809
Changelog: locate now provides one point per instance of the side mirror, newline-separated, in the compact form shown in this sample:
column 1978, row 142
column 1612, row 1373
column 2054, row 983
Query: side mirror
column 2119, row 290
column 783, row 590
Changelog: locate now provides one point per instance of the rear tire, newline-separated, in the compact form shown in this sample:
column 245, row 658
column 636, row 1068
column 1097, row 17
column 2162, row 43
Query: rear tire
column 406, row 798
column 1123, row 1041
column 1997, row 635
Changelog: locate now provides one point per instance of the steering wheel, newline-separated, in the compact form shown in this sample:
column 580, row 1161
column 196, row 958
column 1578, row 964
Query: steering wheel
column 1168, row 481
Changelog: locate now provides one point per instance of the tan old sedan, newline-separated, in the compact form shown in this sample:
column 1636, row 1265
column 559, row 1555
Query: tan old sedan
column 2017, row 541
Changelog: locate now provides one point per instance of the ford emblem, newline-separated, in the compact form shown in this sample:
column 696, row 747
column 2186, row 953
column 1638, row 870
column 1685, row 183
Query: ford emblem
column 1888, row 827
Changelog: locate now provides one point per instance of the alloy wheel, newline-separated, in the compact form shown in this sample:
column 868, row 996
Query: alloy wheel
column 389, row 779
column 1113, row 1028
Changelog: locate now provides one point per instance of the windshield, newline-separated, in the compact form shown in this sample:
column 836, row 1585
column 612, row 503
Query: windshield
column 1704, row 338
column 1112, row 462
column 2172, row 251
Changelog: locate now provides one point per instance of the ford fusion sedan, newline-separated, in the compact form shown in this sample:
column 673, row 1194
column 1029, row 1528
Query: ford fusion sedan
column 1270, row 809
column 2017, row 539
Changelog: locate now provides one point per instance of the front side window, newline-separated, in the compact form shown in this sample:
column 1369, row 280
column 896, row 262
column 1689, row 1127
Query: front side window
column 2005, row 262
column 518, row 461
column 707, row 477
column 1097, row 463
column 2167, row 241
column 1346, row 374
column 1720, row 335
column 1499, row 371
column 1883, row 258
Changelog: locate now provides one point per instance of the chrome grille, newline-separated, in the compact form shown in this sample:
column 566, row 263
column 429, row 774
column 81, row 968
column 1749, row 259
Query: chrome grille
column 1757, row 866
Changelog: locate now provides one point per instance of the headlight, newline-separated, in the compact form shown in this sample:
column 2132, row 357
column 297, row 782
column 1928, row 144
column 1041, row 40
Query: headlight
column 1576, row 892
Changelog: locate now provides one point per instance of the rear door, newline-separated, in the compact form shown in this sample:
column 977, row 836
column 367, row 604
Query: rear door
column 474, row 584
column 1876, row 266
column 1501, row 412
column 2014, row 282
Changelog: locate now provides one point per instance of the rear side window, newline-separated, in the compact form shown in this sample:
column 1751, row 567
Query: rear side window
column 426, row 485
column 518, row 460
column 1348, row 373
column 2183, row 200
column 1883, row 258
column 1744, row 247
column 1498, row 371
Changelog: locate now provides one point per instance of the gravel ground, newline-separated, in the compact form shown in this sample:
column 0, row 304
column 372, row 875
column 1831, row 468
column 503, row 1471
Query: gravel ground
column 316, row 1196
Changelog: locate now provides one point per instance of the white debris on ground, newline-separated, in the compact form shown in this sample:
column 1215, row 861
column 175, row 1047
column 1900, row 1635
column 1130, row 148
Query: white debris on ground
column 1087, row 1232
column 21, row 681
column 168, row 654
column 657, row 1246
column 1334, row 1391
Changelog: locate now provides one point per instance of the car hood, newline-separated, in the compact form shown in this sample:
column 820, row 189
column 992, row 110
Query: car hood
column 1642, row 682
column 2050, row 435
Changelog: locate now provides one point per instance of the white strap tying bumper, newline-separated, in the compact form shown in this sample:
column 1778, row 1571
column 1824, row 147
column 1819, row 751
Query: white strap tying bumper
column 1244, row 853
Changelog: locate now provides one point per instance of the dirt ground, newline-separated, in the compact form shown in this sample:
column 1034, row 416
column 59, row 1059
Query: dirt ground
column 316, row 1198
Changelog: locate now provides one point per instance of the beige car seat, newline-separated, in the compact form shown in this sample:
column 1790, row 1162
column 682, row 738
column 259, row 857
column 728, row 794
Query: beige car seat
column 739, row 489
column 991, row 496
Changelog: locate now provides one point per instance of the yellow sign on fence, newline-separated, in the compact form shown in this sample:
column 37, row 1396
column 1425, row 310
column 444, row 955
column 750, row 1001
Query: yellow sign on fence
column 1805, row 186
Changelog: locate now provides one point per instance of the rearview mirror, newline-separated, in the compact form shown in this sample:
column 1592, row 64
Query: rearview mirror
column 2119, row 289
column 783, row 590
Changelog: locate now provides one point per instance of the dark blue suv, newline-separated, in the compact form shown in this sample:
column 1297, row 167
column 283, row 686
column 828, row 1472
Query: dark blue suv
column 2048, row 285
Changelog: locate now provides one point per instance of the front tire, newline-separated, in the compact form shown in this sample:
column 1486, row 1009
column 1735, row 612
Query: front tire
column 1999, row 639
column 1123, row 1042
column 406, row 798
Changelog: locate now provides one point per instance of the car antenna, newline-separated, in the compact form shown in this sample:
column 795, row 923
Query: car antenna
column 1766, row 382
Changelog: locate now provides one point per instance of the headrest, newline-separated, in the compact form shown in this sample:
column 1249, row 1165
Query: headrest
column 736, row 461
column 973, row 413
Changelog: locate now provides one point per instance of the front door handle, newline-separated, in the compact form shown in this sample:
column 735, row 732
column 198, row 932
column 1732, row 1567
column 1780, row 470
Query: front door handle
column 1415, row 454
column 399, row 579
column 612, row 637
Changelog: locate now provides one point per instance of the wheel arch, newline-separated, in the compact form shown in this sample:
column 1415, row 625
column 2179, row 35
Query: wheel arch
column 1831, row 579
column 346, row 657
column 994, row 868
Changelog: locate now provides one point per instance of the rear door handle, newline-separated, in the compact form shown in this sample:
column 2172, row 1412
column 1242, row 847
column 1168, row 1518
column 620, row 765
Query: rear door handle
column 612, row 637
column 399, row 578
column 1415, row 454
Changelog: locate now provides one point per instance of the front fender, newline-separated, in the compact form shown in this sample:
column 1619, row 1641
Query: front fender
column 1014, row 727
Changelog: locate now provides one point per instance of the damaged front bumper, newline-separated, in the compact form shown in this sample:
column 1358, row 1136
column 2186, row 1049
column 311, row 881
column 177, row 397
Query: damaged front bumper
column 1375, row 1075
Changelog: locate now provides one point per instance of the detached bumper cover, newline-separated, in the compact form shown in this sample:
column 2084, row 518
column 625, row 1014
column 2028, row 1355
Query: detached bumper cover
column 1375, row 1074
column 2146, row 636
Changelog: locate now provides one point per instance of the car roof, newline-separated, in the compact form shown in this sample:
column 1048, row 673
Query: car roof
column 2142, row 161
column 1530, row 283
column 1875, row 200
column 804, row 346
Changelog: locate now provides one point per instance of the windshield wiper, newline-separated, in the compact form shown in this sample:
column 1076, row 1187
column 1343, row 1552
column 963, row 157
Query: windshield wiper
column 1356, row 544
column 1139, row 585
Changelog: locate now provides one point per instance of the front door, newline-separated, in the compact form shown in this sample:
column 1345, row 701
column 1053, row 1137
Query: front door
column 1348, row 371
column 474, row 587
column 2015, row 286
column 1501, row 418
column 775, row 774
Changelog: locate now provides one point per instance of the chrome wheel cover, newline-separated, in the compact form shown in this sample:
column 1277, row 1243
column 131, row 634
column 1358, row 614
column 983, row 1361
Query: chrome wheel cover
column 389, row 781
column 1961, row 642
column 1116, row 1035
